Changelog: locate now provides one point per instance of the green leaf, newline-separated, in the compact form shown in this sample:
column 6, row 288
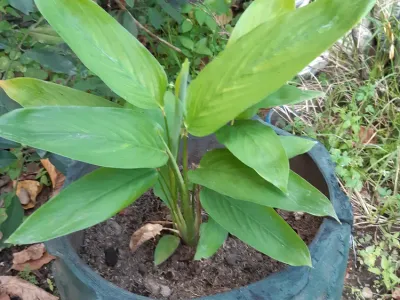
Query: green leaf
column 129, row 23
column 212, row 237
column 200, row 16
column 186, row 26
column 211, row 23
column 174, row 114
column 122, row 62
column 6, row 158
column 286, row 95
column 36, row 73
column 221, row 171
column 108, row 137
column 3, row 215
column 6, row 103
column 45, row 35
column 86, row 202
column 259, row 147
column 258, row 226
column 257, row 13
column 130, row 3
column 15, row 214
column 165, row 248
column 263, row 60
column 201, row 47
column 170, row 10
column 218, row 6
column 155, row 17
column 26, row 6
column 296, row 145
column 182, row 82
column 186, row 42
column 30, row 92
column 52, row 61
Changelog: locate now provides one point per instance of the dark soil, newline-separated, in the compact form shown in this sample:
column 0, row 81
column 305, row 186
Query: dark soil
column 106, row 250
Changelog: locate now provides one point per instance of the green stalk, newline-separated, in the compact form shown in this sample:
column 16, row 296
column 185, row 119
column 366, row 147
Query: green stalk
column 191, row 236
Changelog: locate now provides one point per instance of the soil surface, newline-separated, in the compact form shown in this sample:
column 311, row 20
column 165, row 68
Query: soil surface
column 106, row 250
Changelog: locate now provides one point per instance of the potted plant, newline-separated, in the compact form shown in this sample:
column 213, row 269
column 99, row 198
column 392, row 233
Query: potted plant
column 137, row 145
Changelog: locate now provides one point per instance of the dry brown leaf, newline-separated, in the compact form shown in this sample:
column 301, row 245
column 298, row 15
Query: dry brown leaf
column 33, row 265
column 144, row 234
column 16, row 287
column 368, row 136
column 224, row 19
column 31, row 253
column 33, row 188
column 396, row 293
column 56, row 177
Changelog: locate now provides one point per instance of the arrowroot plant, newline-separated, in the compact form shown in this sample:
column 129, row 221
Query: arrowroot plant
column 137, row 145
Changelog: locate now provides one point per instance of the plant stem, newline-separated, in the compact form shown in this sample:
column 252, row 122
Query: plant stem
column 191, row 236
column 185, row 156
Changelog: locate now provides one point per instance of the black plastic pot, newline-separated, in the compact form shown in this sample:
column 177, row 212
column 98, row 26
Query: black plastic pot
column 329, row 250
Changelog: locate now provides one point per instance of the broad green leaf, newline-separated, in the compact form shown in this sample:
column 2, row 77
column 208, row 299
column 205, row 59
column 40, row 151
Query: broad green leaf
column 86, row 202
column 108, row 50
column 221, row 171
column 108, row 137
column 30, row 92
column 259, row 147
column 286, row 95
column 294, row 145
column 6, row 158
column 258, row 226
column 15, row 214
column 186, row 26
column 263, row 60
column 174, row 114
column 130, row 3
column 260, row 11
column 53, row 61
column 218, row 6
column 45, row 35
column 3, row 215
column 165, row 248
column 26, row 6
column 182, row 82
column 212, row 237
column 200, row 16
column 6, row 144
column 6, row 103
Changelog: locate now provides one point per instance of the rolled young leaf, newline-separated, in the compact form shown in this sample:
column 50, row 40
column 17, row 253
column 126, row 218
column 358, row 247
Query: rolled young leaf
column 259, row 147
column 221, row 171
column 259, row 11
column 165, row 248
column 86, row 202
column 294, row 145
column 286, row 95
column 30, row 92
column 258, row 226
column 108, row 50
column 261, row 61
column 108, row 137
column 212, row 237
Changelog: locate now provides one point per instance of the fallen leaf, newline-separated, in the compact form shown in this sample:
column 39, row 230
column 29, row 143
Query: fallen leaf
column 33, row 265
column 368, row 136
column 31, row 253
column 144, row 234
column 396, row 293
column 224, row 19
column 56, row 177
column 33, row 188
column 16, row 287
